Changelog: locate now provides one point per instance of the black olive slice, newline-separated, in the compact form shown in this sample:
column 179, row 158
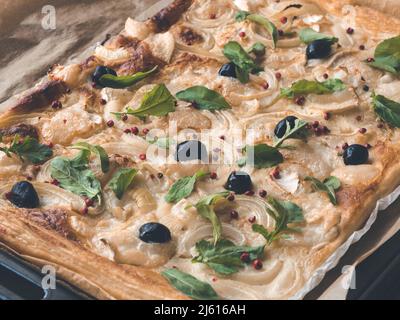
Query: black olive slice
column 281, row 127
column 154, row 232
column 355, row 154
column 239, row 182
column 23, row 195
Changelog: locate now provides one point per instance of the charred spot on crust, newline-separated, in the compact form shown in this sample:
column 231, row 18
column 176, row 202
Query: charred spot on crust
column 40, row 97
column 141, row 60
column 120, row 41
column 164, row 19
column 51, row 219
column 21, row 129
column 189, row 36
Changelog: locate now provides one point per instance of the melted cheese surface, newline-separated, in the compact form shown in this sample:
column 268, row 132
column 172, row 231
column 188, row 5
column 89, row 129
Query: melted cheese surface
column 113, row 232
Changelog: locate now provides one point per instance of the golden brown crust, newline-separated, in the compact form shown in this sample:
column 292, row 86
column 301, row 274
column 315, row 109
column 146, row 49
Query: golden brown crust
column 94, row 274
column 358, row 205
column 31, row 238
column 21, row 129
column 141, row 60
column 375, row 15
column 168, row 16
column 40, row 97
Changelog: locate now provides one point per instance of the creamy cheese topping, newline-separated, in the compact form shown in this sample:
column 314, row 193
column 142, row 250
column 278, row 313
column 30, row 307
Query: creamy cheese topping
column 113, row 232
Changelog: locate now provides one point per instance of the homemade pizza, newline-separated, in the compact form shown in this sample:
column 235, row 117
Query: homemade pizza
column 219, row 150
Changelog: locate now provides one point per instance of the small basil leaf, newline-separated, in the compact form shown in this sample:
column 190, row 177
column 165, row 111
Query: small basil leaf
column 157, row 102
column 258, row 228
column 388, row 110
column 121, row 181
column 329, row 186
column 204, row 98
column 205, row 208
column 258, row 49
column 242, row 75
column 189, row 285
column 120, row 82
column 332, row 182
column 224, row 256
column 267, row 25
column 308, row 35
column 213, row 198
column 284, row 213
column 242, row 60
column 29, row 149
column 161, row 142
column 387, row 55
column 303, row 87
column 241, row 16
column 183, row 187
column 262, row 21
column 75, row 177
column 299, row 131
column 262, row 156
column 98, row 150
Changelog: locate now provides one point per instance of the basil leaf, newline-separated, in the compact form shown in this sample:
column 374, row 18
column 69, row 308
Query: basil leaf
column 262, row 21
column 121, row 181
column 258, row 49
column 261, row 156
column 73, row 175
column 162, row 142
column 299, row 131
column 205, row 208
column 189, row 285
column 120, row 82
column 242, row 60
column 329, row 186
column 387, row 56
column 157, row 102
column 303, row 87
column 308, row 35
column 242, row 75
column 204, row 98
column 28, row 149
column 183, row 187
column 284, row 213
column 241, row 16
column 388, row 110
column 224, row 257
column 98, row 150
column 81, row 160
column 213, row 198
column 332, row 182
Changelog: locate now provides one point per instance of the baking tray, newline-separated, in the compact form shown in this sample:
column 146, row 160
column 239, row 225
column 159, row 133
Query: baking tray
column 20, row 280
column 378, row 277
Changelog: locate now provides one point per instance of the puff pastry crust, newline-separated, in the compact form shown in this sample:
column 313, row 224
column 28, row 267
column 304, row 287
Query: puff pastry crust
column 100, row 254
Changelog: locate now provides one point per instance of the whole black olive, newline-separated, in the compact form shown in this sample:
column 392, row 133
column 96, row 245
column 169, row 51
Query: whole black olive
column 228, row 70
column 355, row 154
column 23, row 195
column 101, row 71
column 154, row 232
column 281, row 127
column 191, row 150
column 239, row 182
column 319, row 49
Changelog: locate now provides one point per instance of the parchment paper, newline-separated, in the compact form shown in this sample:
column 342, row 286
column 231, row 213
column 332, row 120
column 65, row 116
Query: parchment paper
column 27, row 51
